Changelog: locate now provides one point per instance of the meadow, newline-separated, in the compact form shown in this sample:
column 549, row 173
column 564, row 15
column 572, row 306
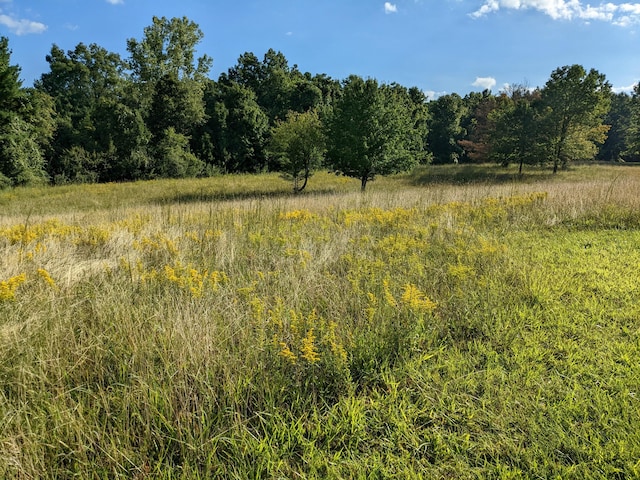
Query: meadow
column 455, row 322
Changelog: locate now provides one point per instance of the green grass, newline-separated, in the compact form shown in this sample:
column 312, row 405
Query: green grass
column 93, row 197
column 425, row 329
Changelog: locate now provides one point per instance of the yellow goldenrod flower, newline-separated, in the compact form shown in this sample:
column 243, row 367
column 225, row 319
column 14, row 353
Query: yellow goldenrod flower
column 309, row 352
column 388, row 296
column 8, row 287
column 302, row 215
column 285, row 352
column 47, row 278
column 417, row 300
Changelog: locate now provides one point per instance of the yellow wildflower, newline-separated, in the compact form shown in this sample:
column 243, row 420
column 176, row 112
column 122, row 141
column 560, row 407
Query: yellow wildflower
column 47, row 278
column 285, row 352
column 417, row 300
column 302, row 215
column 388, row 296
column 309, row 352
column 8, row 287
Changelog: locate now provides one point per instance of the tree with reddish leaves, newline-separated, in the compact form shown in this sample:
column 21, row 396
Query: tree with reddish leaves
column 477, row 143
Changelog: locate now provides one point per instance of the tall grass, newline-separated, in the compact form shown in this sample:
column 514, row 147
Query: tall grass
column 197, row 329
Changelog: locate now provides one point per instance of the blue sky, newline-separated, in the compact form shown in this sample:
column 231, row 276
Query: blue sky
column 439, row 46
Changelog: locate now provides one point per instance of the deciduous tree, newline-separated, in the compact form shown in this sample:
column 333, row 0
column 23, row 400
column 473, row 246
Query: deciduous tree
column 576, row 102
column 21, row 158
column 168, row 47
column 445, row 128
column 479, row 126
column 82, row 82
column 515, row 136
column 633, row 148
column 169, row 82
column 237, row 128
column 298, row 143
column 616, row 147
column 369, row 131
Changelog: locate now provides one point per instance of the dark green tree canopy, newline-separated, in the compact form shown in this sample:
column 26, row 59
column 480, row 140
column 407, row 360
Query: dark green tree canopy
column 515, row 135
column 576, row 102
column 368, row 131
column 633, row 136
column 10, row 84
column 239, row 128
column 79, row 78
column 616, row 147
column 21, row 142
column 445, row 129
column 177, row 104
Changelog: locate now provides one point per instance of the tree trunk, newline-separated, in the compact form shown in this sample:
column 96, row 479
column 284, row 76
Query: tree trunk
column 304, row 184
column 363, row 182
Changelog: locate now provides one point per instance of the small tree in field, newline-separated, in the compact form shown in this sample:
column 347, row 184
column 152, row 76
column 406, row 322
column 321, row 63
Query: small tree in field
column 371, row 131
column 576, row 102
column 516, row 133
column 298, row 143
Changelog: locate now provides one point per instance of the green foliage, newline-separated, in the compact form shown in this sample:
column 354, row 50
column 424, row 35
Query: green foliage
column 370, row 131
column 479, row 124
column 124, row 139
column 10, row 84
column 78, row 166
column 238, row 127
column 575, row 103
column 634, row 128
column 616, row 147
column 278, row 87
column 39, row 111
column 445, row 128
column 516, row 136
column 176, row 104
column 21, row 161
column 169, row 82
column 21, row 142
column 298, row 143
column 91, row 140
column 168, row 48
column 173, row 158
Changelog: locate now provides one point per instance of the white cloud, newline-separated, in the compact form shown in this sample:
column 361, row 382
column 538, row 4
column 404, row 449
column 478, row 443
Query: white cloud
column 628, row 89
column 390, row 8
column 115, row 2
column 432, row 94
column 623, row 14
column 487, row 83
column 22, row 27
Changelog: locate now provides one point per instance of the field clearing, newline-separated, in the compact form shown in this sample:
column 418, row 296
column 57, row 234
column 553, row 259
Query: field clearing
column 458, row 322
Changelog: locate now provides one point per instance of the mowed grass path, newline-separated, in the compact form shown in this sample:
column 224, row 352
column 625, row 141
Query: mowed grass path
column 451, row 323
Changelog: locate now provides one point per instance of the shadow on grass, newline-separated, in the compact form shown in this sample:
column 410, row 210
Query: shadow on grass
column 470, row 174
column 206, row 196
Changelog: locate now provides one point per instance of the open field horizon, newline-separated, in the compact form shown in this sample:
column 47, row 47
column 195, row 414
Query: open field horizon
column 455, row 322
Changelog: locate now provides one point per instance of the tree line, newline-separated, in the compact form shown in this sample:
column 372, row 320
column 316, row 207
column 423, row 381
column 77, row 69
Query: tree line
column 96, row 117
